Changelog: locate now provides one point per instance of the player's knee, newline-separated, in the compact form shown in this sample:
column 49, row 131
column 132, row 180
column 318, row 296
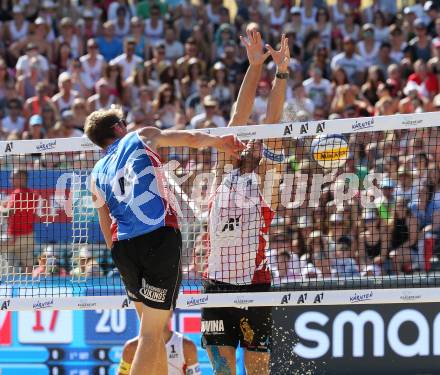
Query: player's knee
column 151, row 336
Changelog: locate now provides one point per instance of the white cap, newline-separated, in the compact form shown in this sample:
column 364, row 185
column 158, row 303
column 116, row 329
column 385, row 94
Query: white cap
column 48, row 251
column 411, row 86
column 17, row 9
column 305, row 222
column 336, row 218
column 369, row 215
column 310, row 268
column 48, row 4
column 64, row 76
column 84, row 251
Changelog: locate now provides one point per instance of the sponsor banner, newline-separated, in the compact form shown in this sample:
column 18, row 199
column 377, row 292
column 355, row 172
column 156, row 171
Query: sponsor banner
column 357, row 338
column 47, row 145
column 285, row 130
column 5, row 328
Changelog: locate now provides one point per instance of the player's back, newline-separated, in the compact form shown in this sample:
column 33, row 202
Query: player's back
column 131, row 180
column 175, row 355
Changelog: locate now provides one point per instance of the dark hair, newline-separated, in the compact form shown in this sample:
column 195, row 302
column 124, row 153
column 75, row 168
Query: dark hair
column 327, row 14
column 14, row 101
column 161, row 94
column 99, row 126
column 385, row 44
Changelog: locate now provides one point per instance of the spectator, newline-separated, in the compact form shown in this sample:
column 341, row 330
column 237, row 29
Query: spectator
column 194, row 104
column 166, row 107
column 308, row 13
column 14, row 122
column 295, row 24
column 397, row 42
column 35, row 44
column 122, row 23
column 420, row 46
column 48, row 264
column 65, row 97
column 67, row 35
column 92, row 65
column 317, row 88
column 381, row 31
column 324, row 26
column 20, row 210
column 17, row 29
column 27, row 82
column 88, row 25
column 210, row 114
column 402, row 243
column 68, row 125
column 128, row 60
column 37, row 104
column 109, row 45
column 154, row 26
column 343, row 264
column 103, row 97
column 86, row 264
column 36, row 130
column 349, row 29
column 368, row 47
column 24, row 62
column 349, row 61
column 173, row 48
column 137, row 31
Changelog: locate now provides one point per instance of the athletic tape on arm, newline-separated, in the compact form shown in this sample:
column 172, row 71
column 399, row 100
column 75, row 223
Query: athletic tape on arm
column 193, row 370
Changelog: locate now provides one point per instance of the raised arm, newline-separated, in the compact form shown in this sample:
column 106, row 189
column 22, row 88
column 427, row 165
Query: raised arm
column 246, row 95
column 156, row 138
column 272, row 163
column 277, row 95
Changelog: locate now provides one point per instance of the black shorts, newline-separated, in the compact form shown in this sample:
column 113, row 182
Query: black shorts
column 249, row 327
column 150, row 267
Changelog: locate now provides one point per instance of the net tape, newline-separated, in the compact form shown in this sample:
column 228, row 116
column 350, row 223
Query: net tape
column 21, row 292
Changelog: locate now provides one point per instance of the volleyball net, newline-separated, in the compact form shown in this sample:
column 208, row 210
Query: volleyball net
column 328, row 212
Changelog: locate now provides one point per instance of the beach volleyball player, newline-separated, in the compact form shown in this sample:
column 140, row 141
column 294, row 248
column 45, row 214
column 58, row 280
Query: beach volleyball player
column 139, row 222
column 239, row 220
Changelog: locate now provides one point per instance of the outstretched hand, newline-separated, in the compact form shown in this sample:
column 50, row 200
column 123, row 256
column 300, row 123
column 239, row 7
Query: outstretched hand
column 281, row 57
column 231, row 145
column 254, row 48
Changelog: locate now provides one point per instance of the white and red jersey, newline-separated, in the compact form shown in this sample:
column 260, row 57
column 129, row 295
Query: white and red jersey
column 176, row 357
column 239, row 221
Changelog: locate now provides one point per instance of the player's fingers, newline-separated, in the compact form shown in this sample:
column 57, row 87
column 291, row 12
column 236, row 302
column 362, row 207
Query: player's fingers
column 258, row 37
column 244, row 41
column 249, row 35
column 269, row 48
column 283, row 37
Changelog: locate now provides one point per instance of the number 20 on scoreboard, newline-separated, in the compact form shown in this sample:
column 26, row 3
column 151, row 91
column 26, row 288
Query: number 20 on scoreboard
column 110, row 326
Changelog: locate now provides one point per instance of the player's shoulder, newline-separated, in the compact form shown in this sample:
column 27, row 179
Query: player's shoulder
column 189, row 347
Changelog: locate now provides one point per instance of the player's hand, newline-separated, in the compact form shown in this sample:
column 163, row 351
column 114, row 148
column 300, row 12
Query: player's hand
column 230, row 145
column 254, row 48
column 281, row 57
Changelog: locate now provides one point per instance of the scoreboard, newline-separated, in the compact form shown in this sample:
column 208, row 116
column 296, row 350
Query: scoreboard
column 88, row 342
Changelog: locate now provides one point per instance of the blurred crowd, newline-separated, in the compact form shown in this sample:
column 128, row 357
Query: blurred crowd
column 179, row 65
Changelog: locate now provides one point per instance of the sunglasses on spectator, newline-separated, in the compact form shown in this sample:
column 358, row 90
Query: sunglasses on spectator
column 93, row 46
